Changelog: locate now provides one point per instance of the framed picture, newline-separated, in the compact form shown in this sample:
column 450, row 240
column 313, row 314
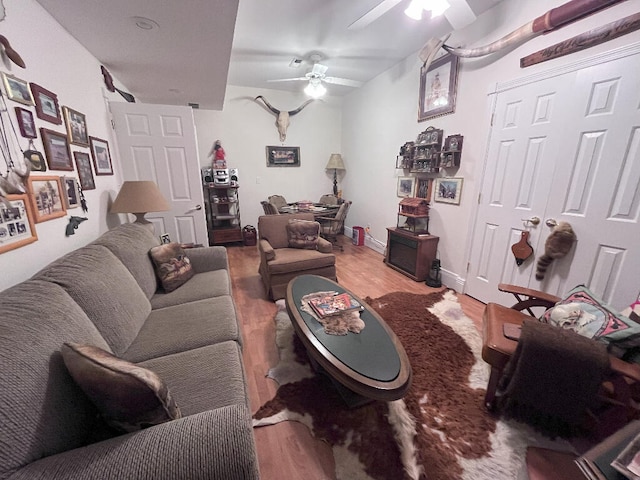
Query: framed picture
column 85, row 174
column 46, row 104
column 36, row 160
column 406, row 186
column 283, row 156
column 47, row 198
column 165, row 238
column 17, row 89
column 16, row 223
column 101, row 156
column 26, row 123
column 424, row 187
column 56, row 149
column 76, row 127
column 438, row 85
column 70, row 187
column 448, row 190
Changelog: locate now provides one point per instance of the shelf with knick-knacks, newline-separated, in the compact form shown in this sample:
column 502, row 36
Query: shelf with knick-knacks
column 451, row 152
column 427, row 148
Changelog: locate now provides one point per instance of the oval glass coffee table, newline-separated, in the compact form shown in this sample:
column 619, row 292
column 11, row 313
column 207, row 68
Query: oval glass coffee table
column 371, row 364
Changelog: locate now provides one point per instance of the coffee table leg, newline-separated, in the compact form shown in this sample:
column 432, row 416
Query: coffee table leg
column 351, row 398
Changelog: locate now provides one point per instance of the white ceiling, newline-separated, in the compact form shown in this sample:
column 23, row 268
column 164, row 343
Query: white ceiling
column 201, row 45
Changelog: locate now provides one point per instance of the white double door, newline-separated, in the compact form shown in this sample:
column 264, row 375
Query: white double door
column 158, row 143
column 566, row 148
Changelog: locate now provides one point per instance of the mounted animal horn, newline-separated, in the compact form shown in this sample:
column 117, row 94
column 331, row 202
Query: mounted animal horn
column 551, row 20
column 282, row 118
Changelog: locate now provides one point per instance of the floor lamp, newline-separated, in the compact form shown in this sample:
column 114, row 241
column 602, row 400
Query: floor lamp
column 336, row 163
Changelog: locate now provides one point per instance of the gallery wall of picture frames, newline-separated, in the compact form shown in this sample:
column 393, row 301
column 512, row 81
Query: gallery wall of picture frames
column 67, row 147
column 430, row 155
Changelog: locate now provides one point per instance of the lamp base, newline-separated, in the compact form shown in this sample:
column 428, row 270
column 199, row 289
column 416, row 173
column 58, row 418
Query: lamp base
column 335, row 182
column 144, row 222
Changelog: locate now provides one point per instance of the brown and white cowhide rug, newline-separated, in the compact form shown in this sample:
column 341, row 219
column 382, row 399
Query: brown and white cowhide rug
column 439, row 431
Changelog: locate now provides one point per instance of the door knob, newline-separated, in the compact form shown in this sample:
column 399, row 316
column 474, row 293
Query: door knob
column 533, row 221
column 198, row 207
column 551, row 222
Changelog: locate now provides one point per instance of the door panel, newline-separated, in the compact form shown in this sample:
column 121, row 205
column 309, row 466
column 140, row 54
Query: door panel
column 515, row 185
column 158, row 142
column 577, row 160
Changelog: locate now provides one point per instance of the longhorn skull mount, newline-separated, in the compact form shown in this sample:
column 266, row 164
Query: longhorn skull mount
column 282, row 117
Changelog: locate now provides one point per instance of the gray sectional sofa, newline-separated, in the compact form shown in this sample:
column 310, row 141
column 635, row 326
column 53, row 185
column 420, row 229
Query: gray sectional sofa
column 106, row 294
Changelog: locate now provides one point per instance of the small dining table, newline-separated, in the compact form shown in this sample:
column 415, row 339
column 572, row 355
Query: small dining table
column 318, row 209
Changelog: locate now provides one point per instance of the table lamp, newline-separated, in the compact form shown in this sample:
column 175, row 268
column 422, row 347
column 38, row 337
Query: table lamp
column 335, row 162
column 139, row 197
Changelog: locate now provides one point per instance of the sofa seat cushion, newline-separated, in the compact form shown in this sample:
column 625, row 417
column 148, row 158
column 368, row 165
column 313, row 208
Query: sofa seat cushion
column 129, row 397
column 184, row 327
column 105, row 290
column 203, row 378
column 42, row 410
column 202, row 286
column 296, row 259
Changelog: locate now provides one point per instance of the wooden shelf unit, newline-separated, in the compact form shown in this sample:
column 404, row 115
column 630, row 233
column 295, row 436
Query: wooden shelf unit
column 223, row 214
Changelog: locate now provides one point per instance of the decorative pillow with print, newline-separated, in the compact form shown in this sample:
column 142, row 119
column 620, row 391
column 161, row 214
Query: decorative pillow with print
column 172, row 265
column 303, row 234
column 129, row 397
column 584, row 313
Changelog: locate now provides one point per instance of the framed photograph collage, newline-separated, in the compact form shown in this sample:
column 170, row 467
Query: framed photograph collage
column 61, row 129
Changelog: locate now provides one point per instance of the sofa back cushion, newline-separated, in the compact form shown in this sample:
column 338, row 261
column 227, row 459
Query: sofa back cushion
column 131, row 243
column 42, row 410
column 273, row 228
column 105, row 290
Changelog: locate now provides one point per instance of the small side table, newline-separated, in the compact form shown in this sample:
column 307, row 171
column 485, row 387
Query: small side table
column 411, row 254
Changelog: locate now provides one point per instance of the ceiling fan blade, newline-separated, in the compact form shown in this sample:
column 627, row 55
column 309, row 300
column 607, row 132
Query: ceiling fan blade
column 373, row 14
column 318, row 69
column 288, row 79
column 342, row 81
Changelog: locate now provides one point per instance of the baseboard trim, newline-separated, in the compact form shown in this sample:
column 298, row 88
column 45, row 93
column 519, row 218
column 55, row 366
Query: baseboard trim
column 452, row 280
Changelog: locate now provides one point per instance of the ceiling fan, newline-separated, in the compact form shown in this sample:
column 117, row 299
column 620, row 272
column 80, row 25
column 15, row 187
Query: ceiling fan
column 457, row 12
column 316, row 77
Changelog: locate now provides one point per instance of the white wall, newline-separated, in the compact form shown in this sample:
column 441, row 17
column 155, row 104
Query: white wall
column 245, row 128
column 57, row 62
column 381, row 116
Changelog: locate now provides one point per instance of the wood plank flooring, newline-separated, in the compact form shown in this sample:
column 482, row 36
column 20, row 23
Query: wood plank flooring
column 287, row 450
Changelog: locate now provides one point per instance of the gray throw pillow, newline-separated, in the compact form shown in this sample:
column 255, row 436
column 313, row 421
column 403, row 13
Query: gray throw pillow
column 128, row 397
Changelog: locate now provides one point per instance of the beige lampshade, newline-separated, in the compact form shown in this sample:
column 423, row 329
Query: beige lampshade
column 139, row 197
column 335, row 162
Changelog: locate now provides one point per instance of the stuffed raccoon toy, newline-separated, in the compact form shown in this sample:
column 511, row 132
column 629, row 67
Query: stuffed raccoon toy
column 558, row 244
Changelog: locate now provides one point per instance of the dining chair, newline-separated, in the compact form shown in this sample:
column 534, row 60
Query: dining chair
column 269, row 208
column 331, row 227
column 278, row 200
column 328, row 199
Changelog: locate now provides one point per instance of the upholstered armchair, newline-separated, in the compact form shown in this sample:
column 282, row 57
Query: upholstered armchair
column 279, row 263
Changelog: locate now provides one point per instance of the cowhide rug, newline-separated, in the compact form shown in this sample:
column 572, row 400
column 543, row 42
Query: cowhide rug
column 439, row 431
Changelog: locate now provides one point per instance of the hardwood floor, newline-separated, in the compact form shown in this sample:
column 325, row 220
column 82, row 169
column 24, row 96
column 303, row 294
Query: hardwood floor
column 287, row 450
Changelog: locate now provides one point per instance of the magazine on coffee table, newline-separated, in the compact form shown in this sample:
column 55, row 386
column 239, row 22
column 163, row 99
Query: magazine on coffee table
column 328, row 305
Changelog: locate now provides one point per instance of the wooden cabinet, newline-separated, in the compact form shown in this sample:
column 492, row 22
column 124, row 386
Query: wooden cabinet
column 223, row 214
column 410, row 254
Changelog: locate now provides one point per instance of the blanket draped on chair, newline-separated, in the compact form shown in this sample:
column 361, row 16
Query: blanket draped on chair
column 552, row 379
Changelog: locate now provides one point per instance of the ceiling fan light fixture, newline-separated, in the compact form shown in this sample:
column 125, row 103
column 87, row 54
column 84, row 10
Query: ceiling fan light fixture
column 414, row 10
column 315, row 89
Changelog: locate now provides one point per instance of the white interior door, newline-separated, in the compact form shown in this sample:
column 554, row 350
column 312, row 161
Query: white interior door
column 158, row 143
column 565, row 148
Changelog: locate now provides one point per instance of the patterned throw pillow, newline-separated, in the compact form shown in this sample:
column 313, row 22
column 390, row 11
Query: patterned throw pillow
column 172, row 265
column 584, row 313
column 303, row 234
column 128, row 397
